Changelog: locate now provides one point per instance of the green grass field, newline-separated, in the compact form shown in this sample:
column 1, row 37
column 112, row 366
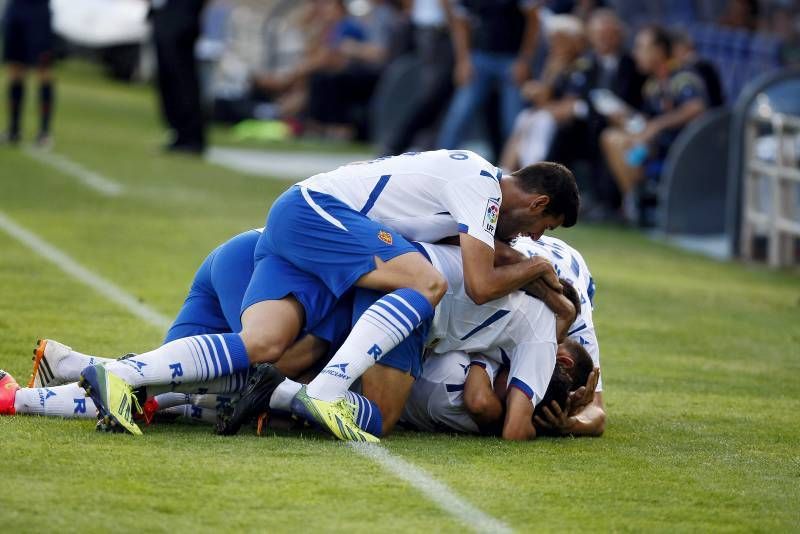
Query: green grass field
column 700, row 365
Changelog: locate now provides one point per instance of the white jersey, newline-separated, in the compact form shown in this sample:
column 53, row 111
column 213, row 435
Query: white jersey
column 424, row 196
column 516, row 330
column 436, row 401
column 570, row 265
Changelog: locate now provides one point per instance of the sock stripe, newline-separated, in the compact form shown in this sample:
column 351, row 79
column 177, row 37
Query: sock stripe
column 378, row 321
column 209, row 355
column 404, row 325
column 416, row 317
column 198, row 370
column 227, row 353
column 194, row 346
column 202, row 357
column 218, row 344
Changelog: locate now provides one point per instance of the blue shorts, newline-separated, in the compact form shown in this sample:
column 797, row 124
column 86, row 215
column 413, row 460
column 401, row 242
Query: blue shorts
column 315, row 247
column 215, row 299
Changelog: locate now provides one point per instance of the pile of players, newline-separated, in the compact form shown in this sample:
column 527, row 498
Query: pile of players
column 416, row 290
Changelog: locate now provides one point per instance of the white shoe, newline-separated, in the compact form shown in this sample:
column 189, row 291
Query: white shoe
column 46, row 356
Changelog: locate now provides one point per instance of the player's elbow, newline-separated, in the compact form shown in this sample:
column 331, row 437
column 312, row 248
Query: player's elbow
column 600, row 423
column 479, row 403
column 478, row 293
column 518, row 433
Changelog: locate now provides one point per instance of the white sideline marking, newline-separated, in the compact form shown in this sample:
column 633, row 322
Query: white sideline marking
column 285, row 165
column 445, row 498
column 85, row 176
column 437, row 491
column 77, row 271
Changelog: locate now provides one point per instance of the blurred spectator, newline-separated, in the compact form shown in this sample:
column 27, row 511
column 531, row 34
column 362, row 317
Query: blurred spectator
column 176, row 27
column 552, row 95
column 607, row 68
column 494, row 43
column 672, row 97
column 343, row 81
column 433, row 48
column 685, row 54
column 28, row 42
column 742, row 14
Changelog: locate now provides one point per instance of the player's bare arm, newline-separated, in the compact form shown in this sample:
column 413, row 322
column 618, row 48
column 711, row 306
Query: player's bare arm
column 485, row 282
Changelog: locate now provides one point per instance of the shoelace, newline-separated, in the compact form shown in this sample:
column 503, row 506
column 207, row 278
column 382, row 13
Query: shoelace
column 347, row 409
column 135, row 400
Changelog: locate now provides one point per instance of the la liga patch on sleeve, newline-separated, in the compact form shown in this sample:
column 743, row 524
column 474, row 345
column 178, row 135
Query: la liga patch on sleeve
column 491, row 215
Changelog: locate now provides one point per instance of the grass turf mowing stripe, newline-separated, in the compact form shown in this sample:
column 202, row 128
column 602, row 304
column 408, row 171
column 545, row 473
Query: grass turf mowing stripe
column 437, row 491
column 71, row 267
column 86, row 177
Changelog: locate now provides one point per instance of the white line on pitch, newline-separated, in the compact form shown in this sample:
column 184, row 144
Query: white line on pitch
column 77, row 271
column 438, row 492
column 85, row 176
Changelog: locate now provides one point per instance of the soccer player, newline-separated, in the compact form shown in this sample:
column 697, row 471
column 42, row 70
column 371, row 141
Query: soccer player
column 464, row 393
column 517, row 330
column 570, row 265
column 348, row 227
column 28, row 42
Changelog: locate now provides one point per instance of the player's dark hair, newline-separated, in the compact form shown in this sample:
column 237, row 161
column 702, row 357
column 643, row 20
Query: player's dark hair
column 557, row 390
column 572, row 295
column 557, row 182
column 661, row 38
column 583, row 363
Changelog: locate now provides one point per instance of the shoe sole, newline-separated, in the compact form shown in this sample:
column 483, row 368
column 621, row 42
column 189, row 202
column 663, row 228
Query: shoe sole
column 41, row 367
column 107, row 422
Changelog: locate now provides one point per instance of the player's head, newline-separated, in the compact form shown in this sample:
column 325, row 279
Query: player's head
column 557, row 390
column 537, row 198
column 575, row 362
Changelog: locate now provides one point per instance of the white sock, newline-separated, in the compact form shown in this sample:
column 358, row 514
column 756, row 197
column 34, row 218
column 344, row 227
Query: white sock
column 211, row 402
column 68, row 369
column 383, row 326
column 168, row 400
column 229, row 385
column 191, row 359
column 282, row 396
column 68, row 400
column 194, row 413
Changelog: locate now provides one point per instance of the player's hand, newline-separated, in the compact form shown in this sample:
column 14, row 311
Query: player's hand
column 555, row 418
column 584, row 395
column 549, row 275
column 463, row 72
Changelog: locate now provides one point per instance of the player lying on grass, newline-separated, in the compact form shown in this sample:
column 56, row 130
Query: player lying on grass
column 464, row 393
column 517, row 330
column 210, row 307
column 350, row 227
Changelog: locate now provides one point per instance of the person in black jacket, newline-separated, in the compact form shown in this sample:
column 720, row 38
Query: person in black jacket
column 606, row 66
column 176, row 27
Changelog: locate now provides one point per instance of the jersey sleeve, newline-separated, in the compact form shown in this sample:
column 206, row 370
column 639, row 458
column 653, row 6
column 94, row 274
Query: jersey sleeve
column 490, row 366
column 587, row 337
column 474, row 203
column 531, row 368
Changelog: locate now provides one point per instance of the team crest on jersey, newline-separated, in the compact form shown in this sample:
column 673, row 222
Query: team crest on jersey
column 491, row 215
column 385, row 236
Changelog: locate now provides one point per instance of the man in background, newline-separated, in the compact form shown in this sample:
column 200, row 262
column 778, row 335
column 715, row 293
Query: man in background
column 28, row 42
column 494, row 42
column 176, row 26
